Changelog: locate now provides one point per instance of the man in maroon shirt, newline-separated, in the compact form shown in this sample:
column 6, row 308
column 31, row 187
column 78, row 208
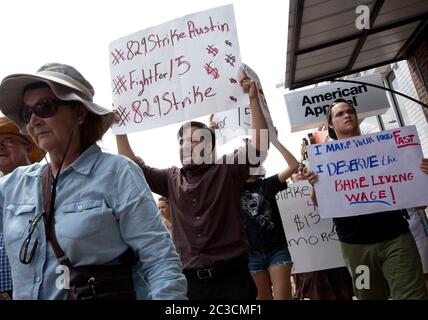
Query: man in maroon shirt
column 205, row 205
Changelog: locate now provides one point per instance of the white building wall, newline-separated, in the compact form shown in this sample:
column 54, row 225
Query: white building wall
column 416, row 114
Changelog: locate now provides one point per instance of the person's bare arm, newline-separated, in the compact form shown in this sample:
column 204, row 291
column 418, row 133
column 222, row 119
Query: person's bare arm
column 312, row 178
column 293, row 164
column 314, row 197
column 258, row 122
column 424, row 165
column 124, row 148
column 212, row 124
column 157, row 179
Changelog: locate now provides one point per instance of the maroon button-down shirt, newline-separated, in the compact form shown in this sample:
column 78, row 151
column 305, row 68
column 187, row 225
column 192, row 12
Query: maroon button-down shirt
column 207, row 226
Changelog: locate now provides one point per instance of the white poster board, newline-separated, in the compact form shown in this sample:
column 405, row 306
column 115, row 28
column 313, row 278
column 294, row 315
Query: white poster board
column 370, row 173
column 179, row 70
column 312, row 241
column 307, row 108
column 236, row 123
column 232, row 124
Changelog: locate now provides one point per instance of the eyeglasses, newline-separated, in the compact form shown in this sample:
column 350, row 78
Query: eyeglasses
column 10, row 142
column 43, row 109
column 26, row 255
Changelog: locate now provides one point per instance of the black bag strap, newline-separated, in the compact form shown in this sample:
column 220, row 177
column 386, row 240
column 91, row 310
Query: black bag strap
column 48, row 194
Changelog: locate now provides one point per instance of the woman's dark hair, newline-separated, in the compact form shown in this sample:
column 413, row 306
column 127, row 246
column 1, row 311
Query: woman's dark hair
column 92, row 129
column 199, row 125
column 34, row 86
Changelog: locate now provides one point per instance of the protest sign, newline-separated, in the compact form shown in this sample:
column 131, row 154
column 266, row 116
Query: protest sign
column 179, row 70
column 370, row 173
column 263, row 104
column 236, row 123
column 232, row 124
column 307, row 108
column 312, row 241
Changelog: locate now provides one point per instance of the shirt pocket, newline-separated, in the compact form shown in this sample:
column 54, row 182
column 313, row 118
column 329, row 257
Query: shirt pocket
column 81, row 219
column 17, row 221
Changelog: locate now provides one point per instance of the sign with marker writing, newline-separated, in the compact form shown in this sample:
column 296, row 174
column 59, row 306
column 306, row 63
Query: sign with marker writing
column 180, row 70
column 312, row 241
column 307, row 108
column 263, row 103
column 232, row 124
column 370, row 173
column 236, row 123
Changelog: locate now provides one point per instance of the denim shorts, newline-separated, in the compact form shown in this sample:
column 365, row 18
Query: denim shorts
column 262, row 260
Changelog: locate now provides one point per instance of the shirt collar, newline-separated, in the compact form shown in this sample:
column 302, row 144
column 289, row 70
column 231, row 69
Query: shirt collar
column 81, row 164
column 192, row 170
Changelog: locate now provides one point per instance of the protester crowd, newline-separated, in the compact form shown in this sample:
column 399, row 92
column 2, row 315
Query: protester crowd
column 83, row 224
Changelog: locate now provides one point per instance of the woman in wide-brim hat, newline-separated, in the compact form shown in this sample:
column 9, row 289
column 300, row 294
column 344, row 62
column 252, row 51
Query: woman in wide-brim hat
column 100, row 204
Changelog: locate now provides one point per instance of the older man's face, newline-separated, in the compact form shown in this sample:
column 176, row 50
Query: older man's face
column 14, row 152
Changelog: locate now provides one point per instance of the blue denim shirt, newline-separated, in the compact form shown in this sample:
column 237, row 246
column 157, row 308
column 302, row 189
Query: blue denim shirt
column 103, row 205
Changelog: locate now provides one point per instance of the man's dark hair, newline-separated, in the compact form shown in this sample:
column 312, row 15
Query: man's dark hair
column 199, row 125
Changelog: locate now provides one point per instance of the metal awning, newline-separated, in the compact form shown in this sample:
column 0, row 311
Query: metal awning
column 324, row 42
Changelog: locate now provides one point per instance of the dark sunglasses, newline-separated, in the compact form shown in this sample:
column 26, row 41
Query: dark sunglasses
column 43, row 109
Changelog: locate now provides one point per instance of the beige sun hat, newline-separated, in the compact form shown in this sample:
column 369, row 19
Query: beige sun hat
column 67, row 84
column 8, row 127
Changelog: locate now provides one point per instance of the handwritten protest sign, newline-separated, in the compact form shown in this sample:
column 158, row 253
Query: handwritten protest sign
column 232, row 124
column 312, row 241
column 182, row 69
column 236, row 123
column 370, row 173
column 263, row 104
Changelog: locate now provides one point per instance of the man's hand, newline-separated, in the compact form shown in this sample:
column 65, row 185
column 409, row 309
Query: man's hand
column 258, row 122
column 212, row 124
column 249, row 86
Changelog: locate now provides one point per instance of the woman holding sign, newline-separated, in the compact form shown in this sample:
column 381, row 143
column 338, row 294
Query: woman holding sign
column 378, row 248
column 269, row 261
